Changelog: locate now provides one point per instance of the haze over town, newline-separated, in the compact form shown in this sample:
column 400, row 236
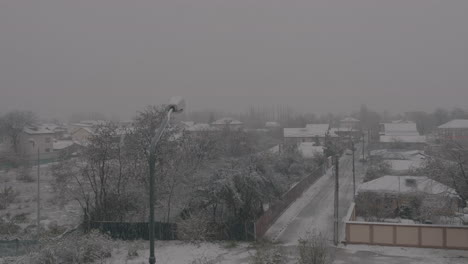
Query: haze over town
column 60, row 57
column 233, row 131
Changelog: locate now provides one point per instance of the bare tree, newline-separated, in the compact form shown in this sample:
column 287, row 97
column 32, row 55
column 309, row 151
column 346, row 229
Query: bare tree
column 13, row 123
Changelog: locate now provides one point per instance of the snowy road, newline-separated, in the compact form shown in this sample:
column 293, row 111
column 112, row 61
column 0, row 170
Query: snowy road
column 313, row 211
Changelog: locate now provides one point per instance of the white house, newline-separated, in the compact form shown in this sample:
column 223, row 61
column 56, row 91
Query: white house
column 36, row 138
column 229, row 122
column 456, row 130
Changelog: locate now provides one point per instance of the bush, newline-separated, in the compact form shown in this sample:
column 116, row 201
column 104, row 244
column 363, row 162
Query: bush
column 74, row 249
column 133, row 249
column 314, row 249
column 24, row 174
column 196, row 227
column 7, row 196
column 377, row 170
column 268, row 254
column 203, row 260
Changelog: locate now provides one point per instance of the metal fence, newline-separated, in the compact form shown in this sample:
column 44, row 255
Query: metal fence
column 168, row 231
column 16, row 247
column 135, row 230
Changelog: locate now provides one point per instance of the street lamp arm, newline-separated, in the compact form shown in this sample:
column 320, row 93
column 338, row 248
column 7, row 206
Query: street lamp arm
column 160, row 131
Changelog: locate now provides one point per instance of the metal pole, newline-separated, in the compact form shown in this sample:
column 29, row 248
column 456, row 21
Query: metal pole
column 152, row 164
column 38, row 193
column 354, row 173
column 363, row 145
column 335, row 239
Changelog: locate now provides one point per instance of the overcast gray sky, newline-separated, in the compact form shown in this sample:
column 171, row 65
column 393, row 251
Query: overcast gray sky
column 61, row 56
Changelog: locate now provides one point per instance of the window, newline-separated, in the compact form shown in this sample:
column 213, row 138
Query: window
column 47, row 150
column 411, row 182
column 47, row 140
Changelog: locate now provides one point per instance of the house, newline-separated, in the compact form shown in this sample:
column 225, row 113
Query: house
column 350, row 123
column 85, row 123
column 414, row 192
column 200, row 128
column 401, row 161
column 401, row 135
column 81, row 135
column 228, row 122
column 456, row 130
column 36, row 139
column 60, row 131
column 309, row 150
column 311, row 133
column 65, row 148
column 271, row 125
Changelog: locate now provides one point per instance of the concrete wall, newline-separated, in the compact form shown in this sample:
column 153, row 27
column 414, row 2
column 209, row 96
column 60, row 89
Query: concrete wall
column 387, row 234
column 42, row 141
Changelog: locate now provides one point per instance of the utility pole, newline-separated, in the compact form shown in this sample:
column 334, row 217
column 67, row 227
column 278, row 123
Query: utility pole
column 335, row 229
column 354, row 171
column 363, row 145
column 38, row 193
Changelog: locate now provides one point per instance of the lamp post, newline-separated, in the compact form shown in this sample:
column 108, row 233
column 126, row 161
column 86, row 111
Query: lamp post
column 354, row 170
column 33, row 142
column 176, row 105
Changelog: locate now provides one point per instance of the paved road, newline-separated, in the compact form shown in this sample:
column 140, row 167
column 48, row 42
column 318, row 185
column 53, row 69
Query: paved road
column 313, row 211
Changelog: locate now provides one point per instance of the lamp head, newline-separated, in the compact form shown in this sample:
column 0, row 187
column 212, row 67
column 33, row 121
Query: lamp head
column 177, row 104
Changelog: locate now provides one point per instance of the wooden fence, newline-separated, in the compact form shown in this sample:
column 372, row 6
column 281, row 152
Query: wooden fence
column 406, row 235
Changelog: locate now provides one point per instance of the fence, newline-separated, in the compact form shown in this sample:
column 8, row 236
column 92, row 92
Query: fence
column 278, row 207
column 168, row 231
column 406, row 235
column 132, row 231
column 16, row 247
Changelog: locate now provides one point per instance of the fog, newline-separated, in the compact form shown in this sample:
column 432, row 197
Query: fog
column 115, row 56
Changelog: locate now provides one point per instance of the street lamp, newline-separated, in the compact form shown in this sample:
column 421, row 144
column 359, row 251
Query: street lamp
column 33, row 142
column 176, row 105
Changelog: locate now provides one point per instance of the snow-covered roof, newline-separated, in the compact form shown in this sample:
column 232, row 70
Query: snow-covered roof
column 88, row 129
column 61, row 144
column 201, row 127
column 311, row 130
column 93, row 122
column 456, row 123
column 297, row 132
column 403, row 138
column 308, row 149
column 407, row 184
column 400, row 129
column 188, row 123
column 54, row 127
column 318, row 129
column 227, row 121
column 402, row 121
column 350, row 119
column 37, row 130
column 404, row 165
column 272, row 124
column 395, row 154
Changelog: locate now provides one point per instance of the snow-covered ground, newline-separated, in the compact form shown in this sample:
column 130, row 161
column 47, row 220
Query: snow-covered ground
column 177, row 252
column 313, row 211
column 364, row 254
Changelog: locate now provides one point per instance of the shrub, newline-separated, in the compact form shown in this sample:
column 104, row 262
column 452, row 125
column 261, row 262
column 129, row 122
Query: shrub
column 24, row 174
column 7, row 196
column 133, row 249
column 203, row 260
column 314, row 249
column 196, row 227
column 267, row 253
column 73, row 249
